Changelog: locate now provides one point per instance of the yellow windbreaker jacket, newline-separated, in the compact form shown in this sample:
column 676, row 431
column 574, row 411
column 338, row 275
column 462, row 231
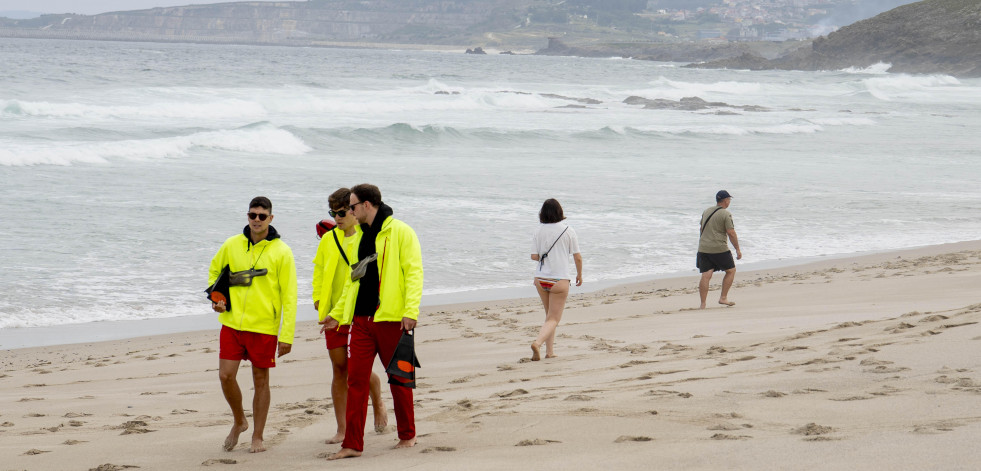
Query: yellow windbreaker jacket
column 399, row 272
column 330, row 271
column 268, row 306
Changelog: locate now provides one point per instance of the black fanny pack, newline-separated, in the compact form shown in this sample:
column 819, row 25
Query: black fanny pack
column 244, row 277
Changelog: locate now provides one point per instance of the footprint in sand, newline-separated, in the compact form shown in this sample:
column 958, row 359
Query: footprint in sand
column 629, row 438
column 726, row 436
column 35, row 451
column 112, row 467
column 73, row 442
column 219, row 461
column 815, row 433
column 434, row 449
column 516, row 392
column 535, row 442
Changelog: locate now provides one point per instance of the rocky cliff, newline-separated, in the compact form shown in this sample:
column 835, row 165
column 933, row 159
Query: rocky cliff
column 932, row 36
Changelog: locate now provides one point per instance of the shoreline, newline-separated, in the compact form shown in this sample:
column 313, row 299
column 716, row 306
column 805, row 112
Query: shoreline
column 106, row 331
column 862, row 362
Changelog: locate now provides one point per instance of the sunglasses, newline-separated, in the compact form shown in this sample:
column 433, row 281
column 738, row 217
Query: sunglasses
column 342, row 213
column 262, row 217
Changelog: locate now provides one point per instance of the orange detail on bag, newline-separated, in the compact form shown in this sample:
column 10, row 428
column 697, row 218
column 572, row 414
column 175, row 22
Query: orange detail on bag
column 405, row 366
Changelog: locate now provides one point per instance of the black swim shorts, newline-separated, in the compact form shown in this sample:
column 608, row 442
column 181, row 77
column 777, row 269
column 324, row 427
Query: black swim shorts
column 714, row 261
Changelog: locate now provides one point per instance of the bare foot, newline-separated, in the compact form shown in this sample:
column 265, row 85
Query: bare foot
column 344, row 453
column 535, row 354
column 550, row 355
column 406, row 443
column 335, row 439
column 381, row 419
column 726, row 302
column 702, row 306
column 232, row 439
column 257, row 446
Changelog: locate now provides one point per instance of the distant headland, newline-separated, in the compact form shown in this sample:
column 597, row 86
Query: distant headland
column 931, row 36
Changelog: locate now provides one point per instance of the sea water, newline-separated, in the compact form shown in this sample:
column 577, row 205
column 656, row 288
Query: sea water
column 123, row 166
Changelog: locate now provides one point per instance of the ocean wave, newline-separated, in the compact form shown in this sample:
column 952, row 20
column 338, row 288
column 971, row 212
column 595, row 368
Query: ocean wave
column 261, row 138
column 677, row 89
column 907, row 86
column 880, row 68
column 217, row 109
column 426, row 134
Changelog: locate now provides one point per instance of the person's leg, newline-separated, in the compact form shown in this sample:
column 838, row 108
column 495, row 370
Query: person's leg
column 388, row 335
column 260, row 406
column 362, row 350
column 338, row 391
column 726, row 284
column 703, row 286
column 556, row 304
column 535, row 346
column 227, row 372
column 377, row 405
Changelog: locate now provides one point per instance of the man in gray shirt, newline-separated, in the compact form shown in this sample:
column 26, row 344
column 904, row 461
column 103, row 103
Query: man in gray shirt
column 713, row 250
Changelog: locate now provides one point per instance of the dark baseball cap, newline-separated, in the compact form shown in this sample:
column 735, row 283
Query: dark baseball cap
column 721, row 195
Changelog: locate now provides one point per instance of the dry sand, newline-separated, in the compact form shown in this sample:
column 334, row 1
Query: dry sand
column 868, row 362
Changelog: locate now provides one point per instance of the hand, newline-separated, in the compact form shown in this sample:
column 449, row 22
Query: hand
column 316, row 305
column 329, row 324
column 739, row 254
column 408, row 324
column 579, row 279
column 284, row 348
column 219, row 307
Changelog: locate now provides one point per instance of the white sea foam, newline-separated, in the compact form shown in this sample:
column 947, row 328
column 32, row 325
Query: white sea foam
column 908, row 86
column 262, row 139
column 205, row 109
column 879, row 68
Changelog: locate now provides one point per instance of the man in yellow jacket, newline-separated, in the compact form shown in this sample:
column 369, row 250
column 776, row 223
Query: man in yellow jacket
column 262, row 317
column 380, row 305
column 338, row 249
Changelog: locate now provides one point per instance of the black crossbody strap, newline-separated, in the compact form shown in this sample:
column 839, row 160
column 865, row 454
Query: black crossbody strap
column 541, row 260
column 703, row 225
column 341, row 249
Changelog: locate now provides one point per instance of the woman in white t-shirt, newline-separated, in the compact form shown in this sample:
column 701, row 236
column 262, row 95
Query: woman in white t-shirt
column 552, row 244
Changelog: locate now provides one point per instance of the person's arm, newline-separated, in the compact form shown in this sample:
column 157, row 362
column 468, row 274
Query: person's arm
column 411, row 260
column 577, row 257
column 318, row 273
column 287, row 293
column 735, row 242
column 214, row 271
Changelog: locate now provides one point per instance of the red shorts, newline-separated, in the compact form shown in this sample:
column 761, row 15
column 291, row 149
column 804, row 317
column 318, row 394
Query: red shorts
column 337, row 338
column 239, row 345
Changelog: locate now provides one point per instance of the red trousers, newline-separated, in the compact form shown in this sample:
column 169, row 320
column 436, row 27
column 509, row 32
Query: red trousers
column 369, row 338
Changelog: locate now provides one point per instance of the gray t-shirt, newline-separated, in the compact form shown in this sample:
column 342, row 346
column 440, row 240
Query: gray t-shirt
column 714, row 239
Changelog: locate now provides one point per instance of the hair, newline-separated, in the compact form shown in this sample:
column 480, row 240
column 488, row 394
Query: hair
column 261, row 202
column 340, row 198
column 551, row 212
column 368, row 192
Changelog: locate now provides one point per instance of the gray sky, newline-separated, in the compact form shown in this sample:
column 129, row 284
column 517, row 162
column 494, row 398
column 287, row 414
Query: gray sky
column 91, row 7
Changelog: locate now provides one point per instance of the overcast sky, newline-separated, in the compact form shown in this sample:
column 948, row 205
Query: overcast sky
column 91, row 7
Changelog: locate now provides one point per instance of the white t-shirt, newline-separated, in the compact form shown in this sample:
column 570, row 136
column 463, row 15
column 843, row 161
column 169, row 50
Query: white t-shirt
column 557, row 263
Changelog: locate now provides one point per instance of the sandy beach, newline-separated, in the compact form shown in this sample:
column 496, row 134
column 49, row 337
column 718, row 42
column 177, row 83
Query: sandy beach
column 867, row 362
